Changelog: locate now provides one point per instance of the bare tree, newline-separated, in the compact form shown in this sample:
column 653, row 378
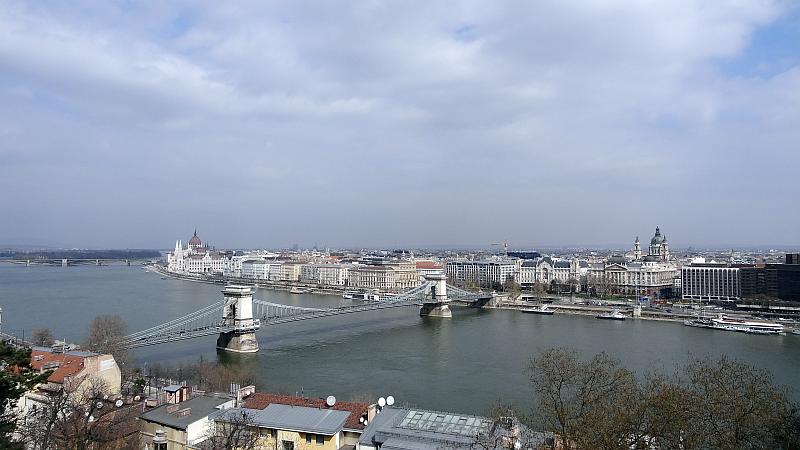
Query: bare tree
column 42, row 337
column 598, row 404
column 539, row 290
column 232, row 429
column 79, row 419
column 106, row 335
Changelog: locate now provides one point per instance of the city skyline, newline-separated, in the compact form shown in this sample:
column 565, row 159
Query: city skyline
column 127, row 125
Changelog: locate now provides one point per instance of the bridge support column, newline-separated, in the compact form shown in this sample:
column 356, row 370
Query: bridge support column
column 237, row 318
column 27, row 263
column 438, row 306
column 64, row 262
column 96, row 262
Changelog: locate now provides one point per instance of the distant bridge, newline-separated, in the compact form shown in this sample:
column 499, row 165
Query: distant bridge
column 238, row 317
column 64, row 262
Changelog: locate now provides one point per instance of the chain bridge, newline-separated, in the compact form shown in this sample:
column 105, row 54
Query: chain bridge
column 239, row 316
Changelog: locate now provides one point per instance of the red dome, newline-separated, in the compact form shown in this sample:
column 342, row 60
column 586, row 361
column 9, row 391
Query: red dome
column 195, row 241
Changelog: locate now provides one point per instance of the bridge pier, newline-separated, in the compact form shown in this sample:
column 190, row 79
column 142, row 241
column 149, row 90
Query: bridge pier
column 97, row 262
column 439, row 304
column 64, row 262
column 237, row 316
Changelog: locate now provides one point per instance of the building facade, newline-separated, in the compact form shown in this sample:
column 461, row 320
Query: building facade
column 710, row 282
column 490, row 273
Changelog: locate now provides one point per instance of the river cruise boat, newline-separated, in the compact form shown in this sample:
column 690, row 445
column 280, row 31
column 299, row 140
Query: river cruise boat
column 349, row 295
column 297, row 290
column 725, row 323
column 541, row 309
column 796, row 332
column 613, row 315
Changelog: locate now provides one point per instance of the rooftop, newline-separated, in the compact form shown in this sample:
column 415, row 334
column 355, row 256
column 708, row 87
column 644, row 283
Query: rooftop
column 294, row 418
column 356, row 410
column 179, row 416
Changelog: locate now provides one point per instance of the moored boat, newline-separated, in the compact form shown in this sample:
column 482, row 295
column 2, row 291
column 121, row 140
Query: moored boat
column 613, row 315
column 751, row 326
column 541, row 309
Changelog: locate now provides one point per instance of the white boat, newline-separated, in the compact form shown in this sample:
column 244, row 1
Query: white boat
column 613, row 315
column 347, row 295
column 796, row 331
column 297, row 290
column 725, row 323
column 541, row 309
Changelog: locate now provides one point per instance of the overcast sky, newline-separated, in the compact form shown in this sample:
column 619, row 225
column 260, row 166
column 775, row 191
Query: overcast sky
column 379, row 123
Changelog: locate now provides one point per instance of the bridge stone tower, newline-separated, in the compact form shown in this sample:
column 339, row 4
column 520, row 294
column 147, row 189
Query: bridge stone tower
column 237, row 318
column 437, row 305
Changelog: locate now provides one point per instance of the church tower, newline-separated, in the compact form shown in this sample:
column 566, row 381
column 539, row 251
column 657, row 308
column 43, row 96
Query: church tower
column 637, row 249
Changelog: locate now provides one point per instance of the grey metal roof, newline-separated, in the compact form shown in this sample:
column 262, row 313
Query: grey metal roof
column 200, row 407
column 383, row 420
column 294, row 418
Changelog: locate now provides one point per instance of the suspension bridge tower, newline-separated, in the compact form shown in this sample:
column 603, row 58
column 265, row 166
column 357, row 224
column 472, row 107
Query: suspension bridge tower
column 239, row 326
column 437, row 305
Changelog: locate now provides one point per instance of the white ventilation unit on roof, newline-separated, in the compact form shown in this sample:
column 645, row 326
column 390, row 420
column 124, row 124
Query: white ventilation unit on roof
column 330, row 401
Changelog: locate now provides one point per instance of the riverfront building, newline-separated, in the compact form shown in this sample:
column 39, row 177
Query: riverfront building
column 196, row 258
column 487, row 273
column 710, row 282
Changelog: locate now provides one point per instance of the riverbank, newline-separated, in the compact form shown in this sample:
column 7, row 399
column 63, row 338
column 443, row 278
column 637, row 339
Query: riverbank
column 286, row 286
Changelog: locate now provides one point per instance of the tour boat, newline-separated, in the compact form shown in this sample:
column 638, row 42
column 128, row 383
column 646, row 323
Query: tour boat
column 796, row 331
column 613, row 315
column 541, row 309
column 347, row 295
column 297, row 290
column 725, row 323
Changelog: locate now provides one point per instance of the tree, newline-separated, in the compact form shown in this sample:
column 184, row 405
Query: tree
column 80, row 419
column 16, row 377
column 42, row 337
column 512, row 288
column 232, row 429
column 586, row 403
column 539, row 290
column 598, row 404
column 106, row 335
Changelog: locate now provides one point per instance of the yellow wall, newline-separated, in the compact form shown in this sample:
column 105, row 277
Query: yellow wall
column 176, row 439
column 299, row 440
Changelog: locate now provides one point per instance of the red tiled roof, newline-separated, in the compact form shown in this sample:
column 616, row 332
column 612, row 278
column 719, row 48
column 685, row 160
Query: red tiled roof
column 261, row 400
column 68, row 365
column 428, row 265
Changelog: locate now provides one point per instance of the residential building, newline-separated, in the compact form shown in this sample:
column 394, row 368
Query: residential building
column 181, row 425
column 75, row 373
column 290, row 271
column 295, row 423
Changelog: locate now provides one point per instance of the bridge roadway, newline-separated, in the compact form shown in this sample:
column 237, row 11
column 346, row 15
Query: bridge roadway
column 210, row 321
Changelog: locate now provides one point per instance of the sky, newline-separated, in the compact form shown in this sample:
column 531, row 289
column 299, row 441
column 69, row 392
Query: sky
column 128, row 124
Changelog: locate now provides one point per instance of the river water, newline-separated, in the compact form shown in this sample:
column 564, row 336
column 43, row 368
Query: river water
column 467, row 364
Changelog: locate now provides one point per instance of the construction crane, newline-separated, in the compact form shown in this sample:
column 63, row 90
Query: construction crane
column 504, row 244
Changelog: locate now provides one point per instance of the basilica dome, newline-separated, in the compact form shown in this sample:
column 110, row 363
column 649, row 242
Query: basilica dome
column 658, row 239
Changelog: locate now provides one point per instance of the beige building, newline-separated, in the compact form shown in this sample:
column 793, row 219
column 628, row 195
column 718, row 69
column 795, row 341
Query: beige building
column 182, row 425
column 76, row 373
column 286, row 422
column 393, row 276
column 290, row 271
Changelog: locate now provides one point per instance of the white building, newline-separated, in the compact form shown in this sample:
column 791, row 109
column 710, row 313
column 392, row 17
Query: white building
column 710, row 281
column 643, row 275
column 261, row 269
column 196, row 258
column 491, row 273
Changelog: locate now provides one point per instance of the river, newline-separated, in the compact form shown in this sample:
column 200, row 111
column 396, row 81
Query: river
column 466, row 364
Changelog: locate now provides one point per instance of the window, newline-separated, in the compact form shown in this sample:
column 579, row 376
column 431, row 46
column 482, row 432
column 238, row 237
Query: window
column 308, row 438
column 320, row 439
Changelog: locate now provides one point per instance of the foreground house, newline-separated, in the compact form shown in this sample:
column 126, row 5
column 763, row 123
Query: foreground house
column 180, row 425
column 75, row 373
